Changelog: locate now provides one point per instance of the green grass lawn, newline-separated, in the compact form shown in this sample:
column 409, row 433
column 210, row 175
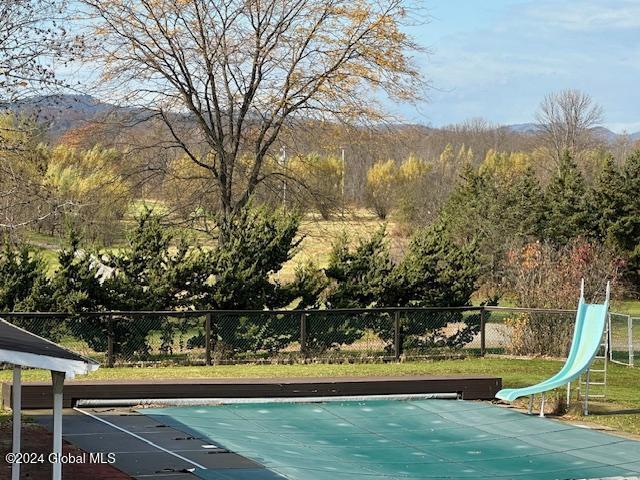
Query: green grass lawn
column 623, row 398
column 629, row 307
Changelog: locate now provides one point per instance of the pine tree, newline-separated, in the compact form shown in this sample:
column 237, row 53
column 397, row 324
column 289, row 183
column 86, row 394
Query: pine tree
column 522, row 207
column 148, row 273
column 261, row 242
column 23, row 278
column 76, row 283
column 567, row 214
column 466, row 208
column 238, row 275
column 436, row 271
column 625, row 230
column 25, row 286
column 606, row 198
column 359, row 278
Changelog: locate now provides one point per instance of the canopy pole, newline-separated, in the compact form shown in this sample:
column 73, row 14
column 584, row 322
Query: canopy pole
column 17, row 422
column 58, row 383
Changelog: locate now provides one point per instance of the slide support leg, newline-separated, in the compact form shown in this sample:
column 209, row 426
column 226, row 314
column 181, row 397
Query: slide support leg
column 586, row 395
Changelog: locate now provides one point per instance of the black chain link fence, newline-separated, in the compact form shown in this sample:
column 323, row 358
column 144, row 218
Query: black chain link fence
column 294, row 336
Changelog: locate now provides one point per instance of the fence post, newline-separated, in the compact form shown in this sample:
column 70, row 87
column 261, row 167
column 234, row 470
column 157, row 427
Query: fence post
column 303, row 334
column 397, row 337
column 630, row 334
column 207, row 338
column 483, row 331
column 110, row 340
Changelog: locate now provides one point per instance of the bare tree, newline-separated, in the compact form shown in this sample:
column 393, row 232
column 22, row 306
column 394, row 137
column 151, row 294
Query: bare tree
column 32, row 39
column 228, row 76
column 566, row 121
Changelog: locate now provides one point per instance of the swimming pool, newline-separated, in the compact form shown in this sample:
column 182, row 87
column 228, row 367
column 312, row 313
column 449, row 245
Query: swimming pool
column 391, row 439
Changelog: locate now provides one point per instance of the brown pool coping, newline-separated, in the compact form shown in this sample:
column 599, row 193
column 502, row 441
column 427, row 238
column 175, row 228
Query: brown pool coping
column 38, row 395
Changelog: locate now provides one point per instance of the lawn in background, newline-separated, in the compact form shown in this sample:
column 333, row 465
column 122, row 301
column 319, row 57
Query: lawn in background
column 629, row 307
column 622, row 394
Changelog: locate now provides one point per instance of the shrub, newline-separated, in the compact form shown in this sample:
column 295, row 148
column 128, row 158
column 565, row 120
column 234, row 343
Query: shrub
column 237, row 274
column 435, row 272
column 24, row 286
column 543, row 276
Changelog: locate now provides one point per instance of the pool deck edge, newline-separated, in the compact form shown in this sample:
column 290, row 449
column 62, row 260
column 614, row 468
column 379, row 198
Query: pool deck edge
column 39, row 395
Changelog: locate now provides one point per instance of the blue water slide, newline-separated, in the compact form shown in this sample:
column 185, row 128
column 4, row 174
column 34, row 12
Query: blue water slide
column 591, row 320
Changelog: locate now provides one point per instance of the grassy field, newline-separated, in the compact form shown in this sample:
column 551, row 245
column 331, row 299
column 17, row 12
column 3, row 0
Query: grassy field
column 621, row 411
column 319, row 235
column 629, row 307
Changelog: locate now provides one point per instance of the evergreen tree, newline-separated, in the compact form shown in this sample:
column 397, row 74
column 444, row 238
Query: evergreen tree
column 522, row 207
column 625, row 230
column 359, row 278
column 25, row 287
column 147, row 273
column 240, row 270
column 76, row 283
column 238, row 275
column 467, row 207
column 567, row 213
column 606, row 198
column 436, row 271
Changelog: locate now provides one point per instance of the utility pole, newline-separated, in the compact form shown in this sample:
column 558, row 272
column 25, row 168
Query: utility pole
column 283, row 161
column 344, row 171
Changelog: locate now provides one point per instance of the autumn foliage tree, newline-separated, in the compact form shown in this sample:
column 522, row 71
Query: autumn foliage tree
column 226, row 79
column 541, row 275
column 382, row 187
column 317, row 180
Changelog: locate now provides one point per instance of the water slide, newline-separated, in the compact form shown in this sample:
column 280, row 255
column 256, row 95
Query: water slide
column 587, row 336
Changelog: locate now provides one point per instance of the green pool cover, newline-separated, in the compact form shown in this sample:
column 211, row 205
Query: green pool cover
column 424, row 439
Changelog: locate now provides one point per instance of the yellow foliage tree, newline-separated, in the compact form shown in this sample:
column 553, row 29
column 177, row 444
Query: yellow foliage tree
column 382, row 179
column 505, row 165
column 412, row 174
column 319, row 180
column 87, row 182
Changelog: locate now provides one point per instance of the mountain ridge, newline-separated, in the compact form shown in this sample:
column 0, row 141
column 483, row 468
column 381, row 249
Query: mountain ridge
column 68, row 111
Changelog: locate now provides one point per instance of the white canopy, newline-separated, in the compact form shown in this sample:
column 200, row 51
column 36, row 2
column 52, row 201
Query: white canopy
column 20, row 347
column 24, row 349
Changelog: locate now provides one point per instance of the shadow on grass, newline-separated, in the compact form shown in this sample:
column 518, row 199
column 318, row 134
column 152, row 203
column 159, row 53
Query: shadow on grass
column 628, row 411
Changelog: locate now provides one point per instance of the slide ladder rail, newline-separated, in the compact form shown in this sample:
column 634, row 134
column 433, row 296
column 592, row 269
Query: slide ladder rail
column 595, row 377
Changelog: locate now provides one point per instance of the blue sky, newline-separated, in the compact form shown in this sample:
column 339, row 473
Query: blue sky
column 496, row 59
